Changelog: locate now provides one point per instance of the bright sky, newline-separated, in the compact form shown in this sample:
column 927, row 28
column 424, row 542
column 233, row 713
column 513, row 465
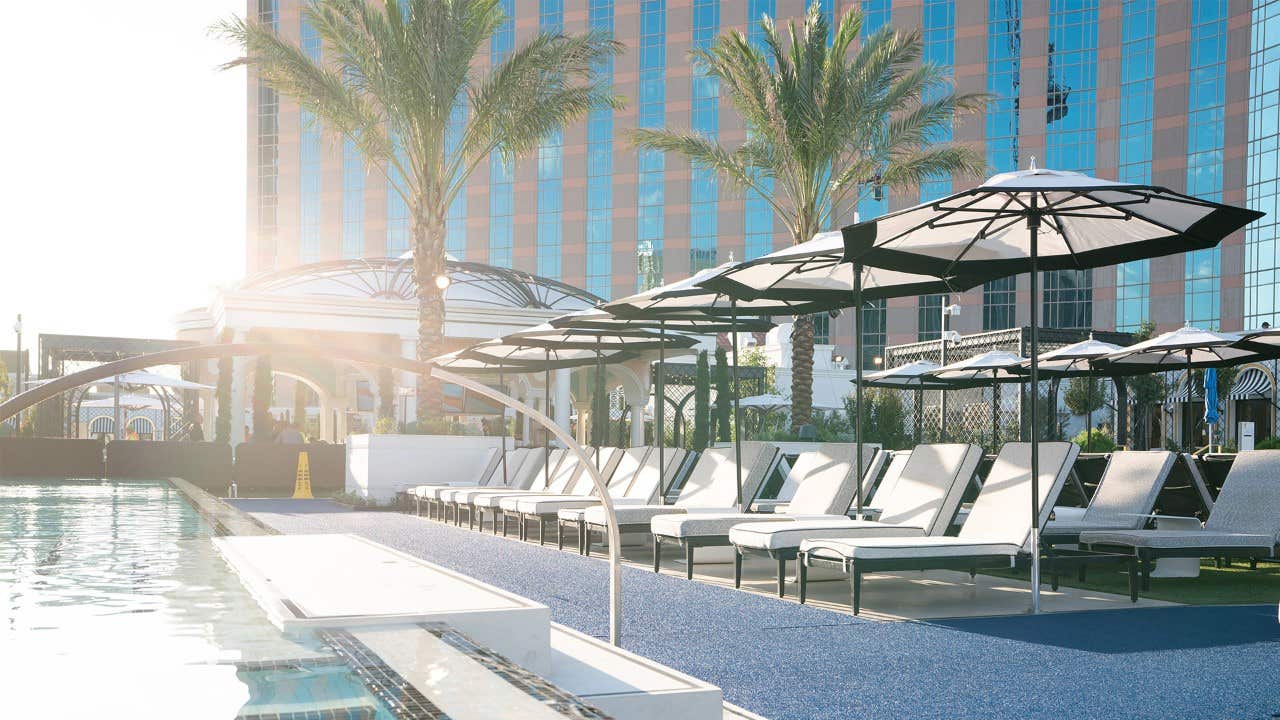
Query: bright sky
column 124, row 165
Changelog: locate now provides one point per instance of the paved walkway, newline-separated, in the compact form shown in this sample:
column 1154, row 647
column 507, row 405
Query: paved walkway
column 787, row 661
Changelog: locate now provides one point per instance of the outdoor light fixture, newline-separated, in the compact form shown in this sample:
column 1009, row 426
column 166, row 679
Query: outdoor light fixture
column 837, row 358
column 952, row 310
column 443, row 282
column 877, row 360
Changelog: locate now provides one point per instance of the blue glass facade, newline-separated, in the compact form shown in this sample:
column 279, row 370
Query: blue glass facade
column 1071, row 112
column 758, row 214
column 397, row 206
column 599, row 230
column 704, row 118
column 875, row 15
column 455, row 242
column 650, row 190
column 1206, row 109
column 310, row 162
column 1137, row 99
column 501, row 173
column 352, row 200
column 1262, row 170
column 939, row 30
column 268, row 155
column 550, row 167
column 1004, row 85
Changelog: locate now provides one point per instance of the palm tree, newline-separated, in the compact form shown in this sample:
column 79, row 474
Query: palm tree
column 393, row 74
column 826, row 123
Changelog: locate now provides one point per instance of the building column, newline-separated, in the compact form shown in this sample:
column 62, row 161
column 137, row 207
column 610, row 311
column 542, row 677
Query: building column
column 409, row 349
column 239, row 372
column 637, row 424
column 326, row 416
column 560, row 399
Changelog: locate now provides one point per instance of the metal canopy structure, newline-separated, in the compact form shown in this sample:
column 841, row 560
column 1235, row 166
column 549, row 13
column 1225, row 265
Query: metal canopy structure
column 392, row 278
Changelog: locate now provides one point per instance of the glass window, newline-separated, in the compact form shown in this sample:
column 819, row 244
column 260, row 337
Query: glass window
column 1262, row 191
column 1068, row 299
column 501, row 174
column 599, row 220
column 939, row 29
column 874, row 322
column 999, row 298
column 929, row 317
column 704, row 186
column 310, row 159
column 1004, row 82
column 1206, row 102
column 652, row 114
column 352, row 200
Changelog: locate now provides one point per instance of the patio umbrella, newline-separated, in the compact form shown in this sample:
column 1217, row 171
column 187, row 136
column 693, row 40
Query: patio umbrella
column 1210, row 402
column 1033, row 220
column 699, row 323
column 995, row 366
column 912, row 376
column 815, row 270
column 1078, row 359
column 1187, row 347
column 597, row 340
column 688, row 299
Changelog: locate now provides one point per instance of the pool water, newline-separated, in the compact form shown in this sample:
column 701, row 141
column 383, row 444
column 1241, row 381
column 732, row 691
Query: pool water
column 117, row 604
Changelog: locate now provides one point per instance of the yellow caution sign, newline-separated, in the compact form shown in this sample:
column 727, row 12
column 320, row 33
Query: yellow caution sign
column 302, row 484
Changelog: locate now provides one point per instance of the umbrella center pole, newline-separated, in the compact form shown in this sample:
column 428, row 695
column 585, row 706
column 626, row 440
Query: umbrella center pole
column 737, row 408
column 1033, row 224
column 857, row 383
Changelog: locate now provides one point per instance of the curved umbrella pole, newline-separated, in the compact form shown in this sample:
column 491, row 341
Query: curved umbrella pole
column 615, row 537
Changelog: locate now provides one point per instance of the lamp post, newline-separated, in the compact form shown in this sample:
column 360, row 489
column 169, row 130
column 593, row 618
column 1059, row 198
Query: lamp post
column 948, row 310
column 17, row 372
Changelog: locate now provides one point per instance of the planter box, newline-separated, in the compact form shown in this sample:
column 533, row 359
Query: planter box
column 380, row 465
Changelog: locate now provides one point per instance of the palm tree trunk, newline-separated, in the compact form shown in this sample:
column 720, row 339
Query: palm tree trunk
column 428, row 265
column 801, row 372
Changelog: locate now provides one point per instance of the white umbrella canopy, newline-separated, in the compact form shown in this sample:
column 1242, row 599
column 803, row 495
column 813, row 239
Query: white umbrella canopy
column 1079, row 358
column 601, row 338
column 991, row 366
column 689, row 298
column 1185, row 347
column 600, row 319
column 141, row 377
column 1084, row 222
column 775, row 401
column 131, row 402
column 815, row 270
column 1034, row 220
column 912, row 376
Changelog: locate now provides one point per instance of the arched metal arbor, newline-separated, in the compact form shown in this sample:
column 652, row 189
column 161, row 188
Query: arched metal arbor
column 57, row 386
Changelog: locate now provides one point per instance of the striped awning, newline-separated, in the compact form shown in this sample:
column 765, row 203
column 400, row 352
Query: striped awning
column 1252, row 384
column 1179, row 395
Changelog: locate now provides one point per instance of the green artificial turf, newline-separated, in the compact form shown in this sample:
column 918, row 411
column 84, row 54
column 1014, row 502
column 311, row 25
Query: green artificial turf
column 1235, row 585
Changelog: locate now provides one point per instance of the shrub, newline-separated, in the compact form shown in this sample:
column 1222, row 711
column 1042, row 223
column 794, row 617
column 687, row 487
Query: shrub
column 384, row 426
column 1096, row 440
column 1271, row 443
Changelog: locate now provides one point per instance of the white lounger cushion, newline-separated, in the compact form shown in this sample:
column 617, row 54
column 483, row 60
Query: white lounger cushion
column 997, row 525
column 884, row 548
column 920, row 496
column 1171, row 539
column 1126, row 494
column 778, row 536
column 712, row 485
column 1247, row 510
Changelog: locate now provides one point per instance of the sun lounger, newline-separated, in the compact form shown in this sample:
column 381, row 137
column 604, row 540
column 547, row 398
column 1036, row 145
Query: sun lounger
column 428, row 494
column 1245, row 521
column 996, row 534
column 1125, row 497
column 530, row 475
column 564, row 479
column 826, row 480
column 711, row 487
column 526, row 507
column 919, row 495
column 644, row 489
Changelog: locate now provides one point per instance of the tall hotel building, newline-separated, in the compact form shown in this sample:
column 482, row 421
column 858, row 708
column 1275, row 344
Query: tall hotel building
column 1181, row 93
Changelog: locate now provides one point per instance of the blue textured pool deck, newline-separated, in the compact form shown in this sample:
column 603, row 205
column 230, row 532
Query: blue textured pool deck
column 791, row 662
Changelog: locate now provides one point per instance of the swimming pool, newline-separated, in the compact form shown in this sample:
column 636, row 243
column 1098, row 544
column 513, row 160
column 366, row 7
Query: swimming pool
column 116, row 604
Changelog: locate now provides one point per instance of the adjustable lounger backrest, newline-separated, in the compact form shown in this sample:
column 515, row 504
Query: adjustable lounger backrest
column 646, row 482
column 713, row 482
column 1128, row 489
column 582, row 483
column 492, row 475
column 1000, row 513
column 566, row 474
column 530, row 472
column 542, row 481
column 928, row 490
column 897, row 461
column 826, row 479
column 630, row 461
column 1249, row 501
column 874, row 467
